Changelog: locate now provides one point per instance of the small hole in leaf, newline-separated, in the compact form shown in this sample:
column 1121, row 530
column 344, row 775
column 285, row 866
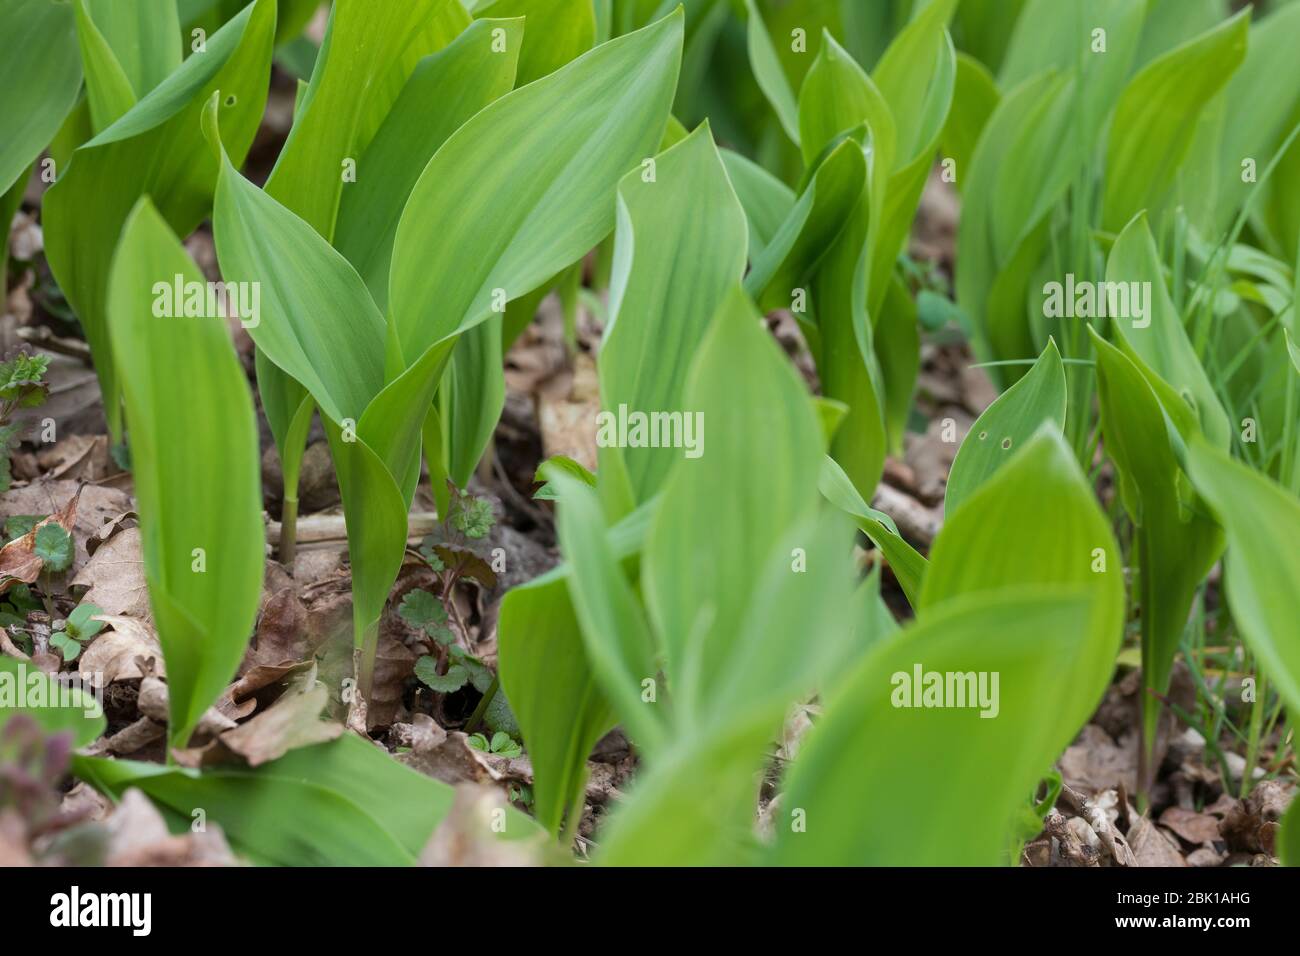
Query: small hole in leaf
column 1006, row 443
column 231, row 100
column 983, row 435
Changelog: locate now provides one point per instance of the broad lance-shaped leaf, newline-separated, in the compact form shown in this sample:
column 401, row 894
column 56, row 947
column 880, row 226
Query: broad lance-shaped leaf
column 750, row 603
column 679, row 249
column 810, row 228
column 196, row 466
column 617, row 639
column 1034, row 143
column 1047, row 38
column 108, row 91
column 155, row 149
column 953, row 776
column 915, row 76
column 474, row 392
column 898, row 352
column 1262, row 565
column 341, row 803
column 1051, row 533
column 557, row 31
column 127, row 50
column 367, row 56
column 845, row 351
column 1259, row 118
column 836, row 96
column 724, row 513
column 1012, row 420
column 974, row 98
column 552, row 687
column 769, row 73
column 362, row 74
column 986, row 264
column 1261, row 568
column 40, row 74
column 907, row 563
column 445, row 90
column 1155, row 119
column 767, row 201
column 1159, row 336
column 522, row 191
column 1177, row 543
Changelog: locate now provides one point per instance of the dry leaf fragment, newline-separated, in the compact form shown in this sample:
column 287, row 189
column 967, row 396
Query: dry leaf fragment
column 117, row 654
column 292, row 721
column 115, row 577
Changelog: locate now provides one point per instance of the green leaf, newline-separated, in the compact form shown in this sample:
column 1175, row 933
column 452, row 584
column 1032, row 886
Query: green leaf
column 915, row 76
column 155, row 149
column 767, row 201
column 66, row 645
column 845, row 352
column 422, row 610
column 881, row 784
column 1177, row 544
column 126, row 51
column 907, row 563
column 197, row 486
column 1155, row 119
column 1288, row 839
column 445, row 90
column 619, row 644
column 1013, row 147
column 342, row 803
column 724, row 514
column 40, row 74
column 81, row 624
column 1159, row 338
column 694, row 807
column 367, row 56
column 556, row 32
column 454, row 679
column 766, row 64
column 836, row 96
column 555, row 466
column 809, row 229
column 1011, row 421
column 320, row 327
column 54, row 547
column 974, row 98
column 679, row 249
column 1051, row 533
column 898, row 351
column 1262, row 521
column 1259, row 118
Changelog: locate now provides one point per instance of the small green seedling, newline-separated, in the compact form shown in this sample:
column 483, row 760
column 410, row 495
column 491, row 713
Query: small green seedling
column 501, row 744
column 69, row 635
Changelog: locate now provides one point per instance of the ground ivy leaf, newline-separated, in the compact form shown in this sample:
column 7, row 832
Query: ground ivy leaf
column 426, row 669
column 54, row 547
